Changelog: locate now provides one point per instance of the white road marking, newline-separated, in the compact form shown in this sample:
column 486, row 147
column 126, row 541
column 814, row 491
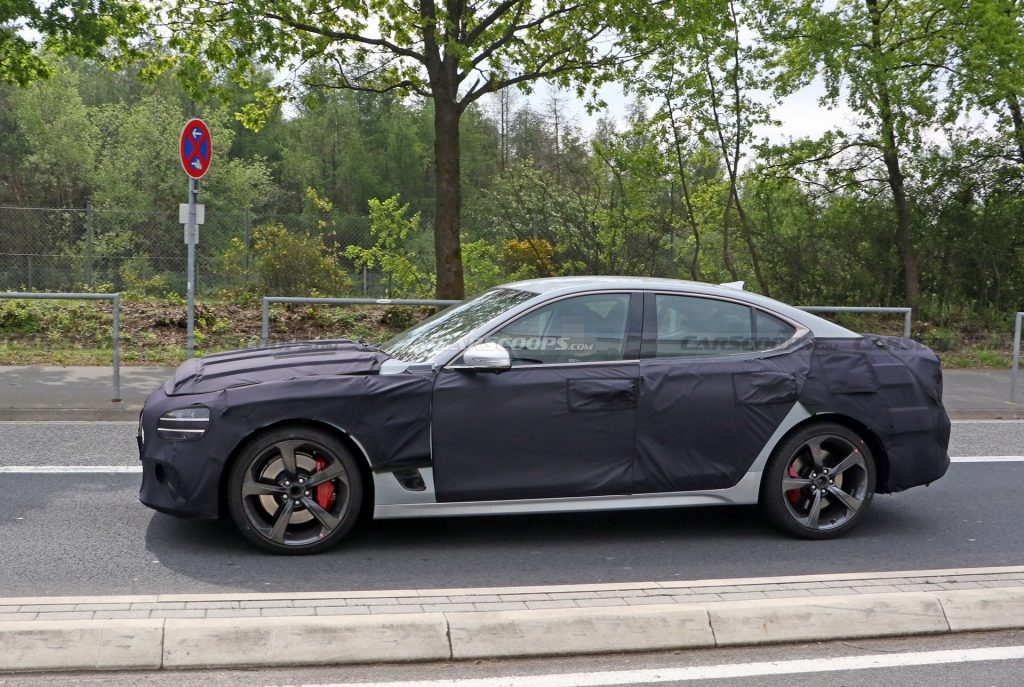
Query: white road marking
column 987, row 459
column 129, row 423
column 717, row 672
column 134, row 422
column 135, row 469
column 68, row 469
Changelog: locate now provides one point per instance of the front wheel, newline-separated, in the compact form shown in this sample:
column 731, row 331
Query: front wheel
column 819, row 482
column 295, row 490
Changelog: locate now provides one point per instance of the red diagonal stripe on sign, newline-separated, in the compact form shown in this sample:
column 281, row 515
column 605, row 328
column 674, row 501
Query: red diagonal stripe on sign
column 197, row 147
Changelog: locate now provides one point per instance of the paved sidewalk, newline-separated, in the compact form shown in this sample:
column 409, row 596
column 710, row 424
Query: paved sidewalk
column 263, row 630
column 84, row 393
column 248, row 605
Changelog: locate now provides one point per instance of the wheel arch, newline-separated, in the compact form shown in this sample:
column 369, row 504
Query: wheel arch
column 872, row 439
column 362, row 459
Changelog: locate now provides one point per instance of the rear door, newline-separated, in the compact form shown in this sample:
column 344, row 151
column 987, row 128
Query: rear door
column 716, row 378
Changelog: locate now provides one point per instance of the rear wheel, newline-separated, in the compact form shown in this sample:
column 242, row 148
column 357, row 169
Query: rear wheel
column 819, row 482
column 295, row 490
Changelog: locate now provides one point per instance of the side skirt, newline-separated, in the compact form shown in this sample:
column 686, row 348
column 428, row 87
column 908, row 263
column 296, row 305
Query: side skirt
column 744, row 492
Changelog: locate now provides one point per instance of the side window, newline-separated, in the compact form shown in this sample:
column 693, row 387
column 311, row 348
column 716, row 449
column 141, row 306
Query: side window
column 574, row 330
column 770, row 332
column 692, row 326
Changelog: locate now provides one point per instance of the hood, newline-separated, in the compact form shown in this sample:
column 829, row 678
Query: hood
column 276, row 363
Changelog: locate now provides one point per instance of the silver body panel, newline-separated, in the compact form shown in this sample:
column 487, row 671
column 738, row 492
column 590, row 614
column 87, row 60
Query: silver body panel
column 743, row 493
column 392, row 500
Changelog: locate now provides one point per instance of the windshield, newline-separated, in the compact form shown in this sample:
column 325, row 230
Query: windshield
column 446, row 328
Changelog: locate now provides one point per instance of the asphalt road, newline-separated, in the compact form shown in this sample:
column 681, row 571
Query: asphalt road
column 87, row 534
column 630, row 669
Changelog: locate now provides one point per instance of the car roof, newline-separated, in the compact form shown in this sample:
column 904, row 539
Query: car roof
column 562, row 286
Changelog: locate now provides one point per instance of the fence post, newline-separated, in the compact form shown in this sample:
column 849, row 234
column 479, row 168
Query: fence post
column 1016, row 356
column 265, row 329
column 247, row 228
column 906, row 323
column 117, row 347
column 88, row 244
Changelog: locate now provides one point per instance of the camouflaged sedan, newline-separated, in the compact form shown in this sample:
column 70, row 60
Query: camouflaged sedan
column 551, row 395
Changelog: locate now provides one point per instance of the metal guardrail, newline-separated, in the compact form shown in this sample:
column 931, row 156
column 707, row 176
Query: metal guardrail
column 906, row 312
column 113, row 297
column 267, row 300
column 1016, row 356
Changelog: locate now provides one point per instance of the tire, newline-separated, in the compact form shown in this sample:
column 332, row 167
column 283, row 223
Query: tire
column 819, row 481
column 295, row 490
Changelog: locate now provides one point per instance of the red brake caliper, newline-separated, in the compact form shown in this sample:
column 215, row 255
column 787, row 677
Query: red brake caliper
column 325, row 491
column 793, row 495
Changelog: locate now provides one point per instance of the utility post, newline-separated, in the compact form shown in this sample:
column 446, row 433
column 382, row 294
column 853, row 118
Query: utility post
column 191, row 239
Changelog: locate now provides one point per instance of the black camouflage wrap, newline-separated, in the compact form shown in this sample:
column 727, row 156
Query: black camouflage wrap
column 660, row 425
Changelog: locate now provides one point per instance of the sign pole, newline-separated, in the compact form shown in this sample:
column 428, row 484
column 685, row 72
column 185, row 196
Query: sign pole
column 196, row 150
column 191, row 235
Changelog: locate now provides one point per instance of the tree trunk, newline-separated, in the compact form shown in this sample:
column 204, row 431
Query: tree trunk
column 911, row 278
column 1018, row 123
column 891, row 157
column 448, row 198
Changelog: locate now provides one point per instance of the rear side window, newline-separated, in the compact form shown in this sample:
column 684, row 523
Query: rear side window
column 691, row 326
column 770, row 332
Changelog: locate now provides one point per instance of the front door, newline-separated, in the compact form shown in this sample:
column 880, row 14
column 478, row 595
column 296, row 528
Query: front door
column 560, row 423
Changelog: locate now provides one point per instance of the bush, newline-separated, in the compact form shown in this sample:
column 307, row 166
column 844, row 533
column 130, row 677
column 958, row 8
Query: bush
column 286, row 263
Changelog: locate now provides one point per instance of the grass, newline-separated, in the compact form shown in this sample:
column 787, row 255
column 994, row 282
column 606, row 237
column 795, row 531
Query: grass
column 976, row 358
column 43, row 332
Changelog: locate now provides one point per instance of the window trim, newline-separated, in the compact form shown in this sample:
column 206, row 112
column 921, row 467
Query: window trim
column 634, row 329
column 648, row 348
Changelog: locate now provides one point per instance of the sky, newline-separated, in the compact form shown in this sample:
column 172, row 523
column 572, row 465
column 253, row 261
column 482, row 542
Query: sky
column 800, row 115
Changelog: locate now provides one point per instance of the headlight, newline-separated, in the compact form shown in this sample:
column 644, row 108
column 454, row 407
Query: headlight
column 184, row 423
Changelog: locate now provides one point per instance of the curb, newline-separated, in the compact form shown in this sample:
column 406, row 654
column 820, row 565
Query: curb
column 150, row 644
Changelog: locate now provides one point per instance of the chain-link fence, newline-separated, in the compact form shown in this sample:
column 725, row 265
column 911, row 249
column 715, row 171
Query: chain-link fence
column 47, row 249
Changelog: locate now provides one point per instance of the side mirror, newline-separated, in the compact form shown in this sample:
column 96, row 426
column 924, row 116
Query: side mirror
column 486, row 356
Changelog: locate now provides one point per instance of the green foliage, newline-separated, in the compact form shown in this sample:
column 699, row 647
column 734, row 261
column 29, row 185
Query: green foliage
column 55, row 321
column 64, row 27
column 392, row 227
column 480, row 262
column 56, row 126
column 287, row 263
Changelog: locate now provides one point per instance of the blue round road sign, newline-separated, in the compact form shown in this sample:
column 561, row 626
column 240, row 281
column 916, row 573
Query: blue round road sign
column 196, row 148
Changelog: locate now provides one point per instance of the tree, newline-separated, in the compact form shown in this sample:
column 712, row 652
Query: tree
column 989, row 59
column 80, row 27
column 702, row 75
column 453, row 52
column 62, row 141
column 881, row 58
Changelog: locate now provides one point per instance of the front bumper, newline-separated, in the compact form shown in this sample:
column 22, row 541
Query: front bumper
column 179, row 477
